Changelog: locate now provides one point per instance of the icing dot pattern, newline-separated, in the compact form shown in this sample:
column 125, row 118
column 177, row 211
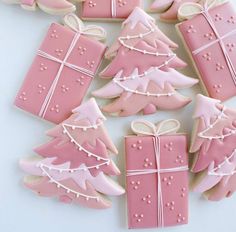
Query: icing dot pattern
column 41, row 89
column 43, row 67
column 169, row 146
column 59, row 52
column 180, row 218
column 80, row 80
column 122, row 3
column 231, row 20
column 207, row 56
column 191, row 29
column 231, row 46
column 92, row 4
column 219, row 67
column 90, row 64
column 64, row 89
column 54, row 34
column 137, row 145
column 217, row 87
column 55, row 108
column 179, row 159
column 135, row 184
column 147, row 199
column 82, row 50
column 147, row 163
column 183, row 192
column 170, row 205
column 23, row 96
column 209, row 36
column 218, row 17
column 168, row 180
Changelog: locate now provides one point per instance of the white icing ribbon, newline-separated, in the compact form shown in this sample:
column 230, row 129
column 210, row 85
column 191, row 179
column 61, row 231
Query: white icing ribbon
column 72, row 21
column 204, row 10
column 143, row 127
column 113, row 9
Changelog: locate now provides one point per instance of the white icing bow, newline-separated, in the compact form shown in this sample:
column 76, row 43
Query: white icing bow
column 73, row 22
column 143, row 127
column 190, row 9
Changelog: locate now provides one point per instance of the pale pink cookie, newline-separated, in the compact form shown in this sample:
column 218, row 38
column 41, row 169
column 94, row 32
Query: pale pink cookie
column 108, row 9
column 144, row 75
column 157, row 175
column 211, row 46
column 213, row 142
column 55, row 7
column 63, row 69
column 76, row 160
column 169, row 8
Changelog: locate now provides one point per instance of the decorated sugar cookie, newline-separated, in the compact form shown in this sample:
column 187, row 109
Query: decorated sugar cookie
column 55, row 7
column 75, row 165
column 143, row 72
column 214, row 142
column 212, row 45
column 62, row 70
column 169, row 8
column 157, row 175
column 108, row 9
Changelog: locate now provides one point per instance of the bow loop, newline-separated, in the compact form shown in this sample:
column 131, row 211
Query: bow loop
column 190, row 9
column 76, row 24
column 143, row 127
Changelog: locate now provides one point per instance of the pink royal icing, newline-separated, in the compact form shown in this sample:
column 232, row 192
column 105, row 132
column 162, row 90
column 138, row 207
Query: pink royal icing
column 212, row 44
column 61, row 72
column 143, row 72
column 113, row 9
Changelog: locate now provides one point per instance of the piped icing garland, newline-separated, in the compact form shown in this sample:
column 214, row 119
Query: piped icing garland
column 219, row 117
column 68, row 190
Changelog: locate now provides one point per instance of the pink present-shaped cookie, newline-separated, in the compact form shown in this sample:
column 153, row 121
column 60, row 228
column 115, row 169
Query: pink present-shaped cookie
column 62, row 71
column 212, row 45
column 157, row 175
column 108, row 9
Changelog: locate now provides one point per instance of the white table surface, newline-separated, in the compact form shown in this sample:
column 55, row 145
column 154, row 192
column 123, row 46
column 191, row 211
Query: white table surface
column 21, row 210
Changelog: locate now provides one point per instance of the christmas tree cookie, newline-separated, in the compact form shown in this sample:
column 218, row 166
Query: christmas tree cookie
column 107, row 10
column 143, row 70
column 75, row 165
column 213, row 141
